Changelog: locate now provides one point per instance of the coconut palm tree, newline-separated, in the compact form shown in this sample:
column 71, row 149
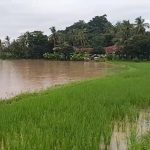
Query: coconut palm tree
column 122, row 31
column 80, row 36
column 54, row 35
column 7, row 43
column 61, row 38
column 1, row 45
column 141, row 25
column 127, row 29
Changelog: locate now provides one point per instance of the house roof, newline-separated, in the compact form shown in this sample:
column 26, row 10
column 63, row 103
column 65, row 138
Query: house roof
column 112, row 49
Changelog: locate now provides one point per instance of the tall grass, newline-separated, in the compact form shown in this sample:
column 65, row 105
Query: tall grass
column 76, row 116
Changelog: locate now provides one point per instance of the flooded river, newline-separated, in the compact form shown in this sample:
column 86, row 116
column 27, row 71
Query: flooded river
column 17, row 76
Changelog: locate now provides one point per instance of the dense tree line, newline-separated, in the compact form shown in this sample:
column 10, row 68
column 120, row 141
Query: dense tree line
column 132, row 39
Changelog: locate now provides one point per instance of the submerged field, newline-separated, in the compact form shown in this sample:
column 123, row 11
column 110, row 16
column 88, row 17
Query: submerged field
column 78, row 116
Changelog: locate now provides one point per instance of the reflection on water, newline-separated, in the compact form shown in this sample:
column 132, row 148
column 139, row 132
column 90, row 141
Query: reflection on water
column 18, row 76
column 122, row 133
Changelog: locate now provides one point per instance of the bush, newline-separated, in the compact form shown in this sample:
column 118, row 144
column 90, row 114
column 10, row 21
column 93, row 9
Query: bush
column 113, row 57
column 136, row 59
column 78, row 57
column 110, row 57
column 54, row 56
column 138, row 48
column 7, row 55
column 61, row 56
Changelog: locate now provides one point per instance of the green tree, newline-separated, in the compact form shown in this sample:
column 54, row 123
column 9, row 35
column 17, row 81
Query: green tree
column 64, row 50
column 35, row 44
column 98, row 33
column 140, row 25
column 123, row 31
column 80, row 37
column 76, row 35
column 54, row 36
column 1, row 45
column 99, row 24
column 138, row 47
column 7, row 41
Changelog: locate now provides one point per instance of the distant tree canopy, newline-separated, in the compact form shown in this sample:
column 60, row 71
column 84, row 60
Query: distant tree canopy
column 98, row 33
column 137, row 47
column 29, row 45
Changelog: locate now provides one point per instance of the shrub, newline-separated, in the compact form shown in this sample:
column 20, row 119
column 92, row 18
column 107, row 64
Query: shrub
column 110, row 57
column 53, row 56
column 7, row 55
column 78, row 57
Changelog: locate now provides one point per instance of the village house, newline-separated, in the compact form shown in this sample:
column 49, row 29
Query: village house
column 112, row 50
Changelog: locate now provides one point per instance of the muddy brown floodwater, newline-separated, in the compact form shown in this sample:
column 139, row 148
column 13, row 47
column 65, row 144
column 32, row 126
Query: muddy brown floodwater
column 18, row 76
column 121, row 135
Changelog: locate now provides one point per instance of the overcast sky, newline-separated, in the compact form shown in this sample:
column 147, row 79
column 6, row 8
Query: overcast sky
column 19, row 16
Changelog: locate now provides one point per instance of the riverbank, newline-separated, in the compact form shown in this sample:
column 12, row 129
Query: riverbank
column 78, row 116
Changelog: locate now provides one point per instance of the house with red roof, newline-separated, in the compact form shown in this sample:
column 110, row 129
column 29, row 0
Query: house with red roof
column 112, row 49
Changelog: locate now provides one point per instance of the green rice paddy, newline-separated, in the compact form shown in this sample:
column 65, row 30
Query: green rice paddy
column 76, row 116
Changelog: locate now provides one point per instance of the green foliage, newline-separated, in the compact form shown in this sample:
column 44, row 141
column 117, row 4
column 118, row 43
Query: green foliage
column 64, row 49
column 113, row 57
column 99, row 50
column 97, row 30
column 98, row 33
column 29, row 45
column 137, row 48
column 122, row 32
column 99, row 24
column 141, row 144
column 7, row 55
column 78, row 57
column 37, row 43
column 53, row 56
column 141, row 25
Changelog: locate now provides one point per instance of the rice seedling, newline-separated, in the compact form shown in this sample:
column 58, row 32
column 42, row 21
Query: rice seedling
column 76, row 116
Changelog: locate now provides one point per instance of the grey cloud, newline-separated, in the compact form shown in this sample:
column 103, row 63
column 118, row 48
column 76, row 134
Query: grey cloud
column 18, row 16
